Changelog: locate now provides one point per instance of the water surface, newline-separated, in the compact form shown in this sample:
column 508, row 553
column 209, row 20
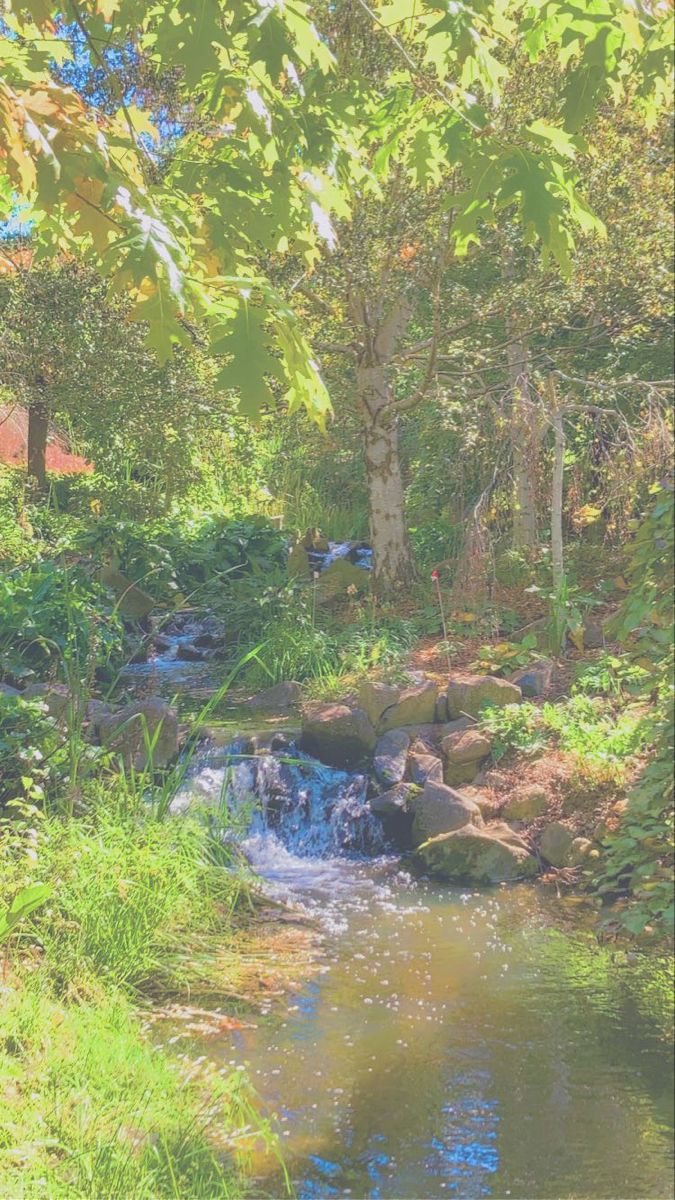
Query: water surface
column 455, row 1043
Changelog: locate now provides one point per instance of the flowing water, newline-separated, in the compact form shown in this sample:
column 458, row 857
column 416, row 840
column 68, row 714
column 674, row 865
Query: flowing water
column 454, row 1043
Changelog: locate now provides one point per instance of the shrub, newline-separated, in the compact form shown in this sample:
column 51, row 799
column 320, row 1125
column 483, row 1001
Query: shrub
column 53, row 617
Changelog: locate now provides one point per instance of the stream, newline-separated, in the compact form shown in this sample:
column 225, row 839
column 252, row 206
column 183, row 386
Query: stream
column 452, row 1042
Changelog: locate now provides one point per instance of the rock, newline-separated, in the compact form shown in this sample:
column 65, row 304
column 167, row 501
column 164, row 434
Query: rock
column 415, row 705
column 128, row 731
column 337, row 735
column 594, row 635
column 423, row 767
column 375, row 698
column 280, row 698
column 188, row 652
column 161, row 644
column 478, row 796
column 6, row 690
column 526, row 803
column 208, row 641
column 467, row 694
column 96, row 712
column 132, row 601
column 57, row 697
column 314, row 540
column 438, row 809
column 298, row 562
column 556, row 844
column 441, row 714
column 580, row 850
column 391, row 754
column 536, row 679
column 394, row 801
column 463, row 753
column 470, row 855
column 340, row 575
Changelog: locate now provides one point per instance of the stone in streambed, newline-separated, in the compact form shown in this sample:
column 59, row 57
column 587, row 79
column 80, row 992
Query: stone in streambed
column 58, row 698
column 142, row 731
column 481, row 856
column 337, row 735
column 468, row 694
column 395, row 801
column 438, row 809
column 280, row 698
column 339, row 576
column 391, row 755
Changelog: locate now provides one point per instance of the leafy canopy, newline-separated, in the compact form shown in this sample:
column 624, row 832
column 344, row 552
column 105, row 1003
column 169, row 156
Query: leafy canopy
column 268, row 144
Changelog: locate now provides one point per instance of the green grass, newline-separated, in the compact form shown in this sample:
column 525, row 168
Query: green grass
column 141, row 909
column 91, row 1109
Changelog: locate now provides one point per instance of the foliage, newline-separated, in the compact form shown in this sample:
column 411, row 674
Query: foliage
column 91, row 1108
column 610, row 675
column 50, row 613
column 639, row 863
column 25, row 902
column 505, row 656
column 31, row 759
column 589, row 728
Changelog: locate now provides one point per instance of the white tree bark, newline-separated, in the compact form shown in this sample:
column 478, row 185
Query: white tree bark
column 556, row 419
column 392, row 556
column 525, row 437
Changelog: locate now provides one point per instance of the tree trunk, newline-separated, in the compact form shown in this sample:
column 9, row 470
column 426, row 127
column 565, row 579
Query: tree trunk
column 38, row 428
column 555, row 415
column 392, row 556
column 524, row 449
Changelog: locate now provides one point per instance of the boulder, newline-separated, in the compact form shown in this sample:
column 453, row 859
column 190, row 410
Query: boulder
column 298, row 562
column 415, row 706
column 188, row 652
column 315, row 540
column 536, row 679
column 438, row 809
column 463, row 753
column 441, row 714
column 340, row 575
column 423, row 767
column 280, row 698
column 132, row 601
column 142, row 731
column 479, row 796
column 337, row 735
column 526, row 803
column 394, row 801
column 96, row 712
column 556, row 844
column 375, row 698
column 391, row 755
column 468, row 694
column 57, row 698
column 481, row 856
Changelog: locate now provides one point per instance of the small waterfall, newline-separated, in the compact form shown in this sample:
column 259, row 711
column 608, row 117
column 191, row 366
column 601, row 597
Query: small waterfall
column 295, row 817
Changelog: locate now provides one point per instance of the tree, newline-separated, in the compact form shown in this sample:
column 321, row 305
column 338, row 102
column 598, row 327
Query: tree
column 70, row 358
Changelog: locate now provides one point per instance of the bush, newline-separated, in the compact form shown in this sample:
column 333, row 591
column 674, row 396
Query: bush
column 30, row 763
column 53, row 618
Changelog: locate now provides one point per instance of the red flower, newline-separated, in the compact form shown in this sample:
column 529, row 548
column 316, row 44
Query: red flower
column 435, row 575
